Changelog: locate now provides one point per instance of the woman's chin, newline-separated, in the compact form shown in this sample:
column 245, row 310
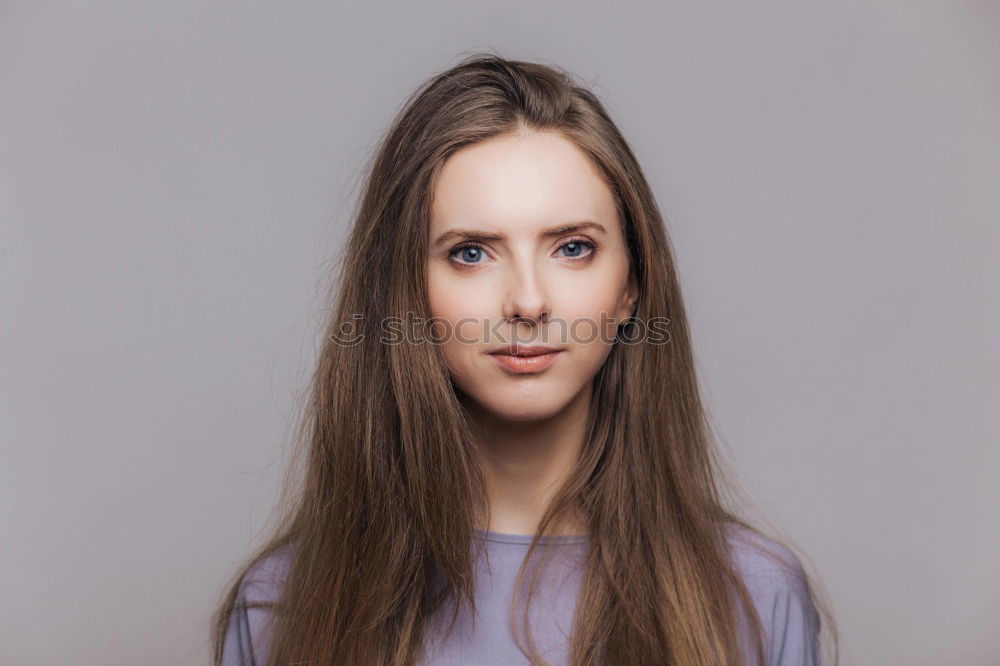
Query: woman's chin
column 523, row 408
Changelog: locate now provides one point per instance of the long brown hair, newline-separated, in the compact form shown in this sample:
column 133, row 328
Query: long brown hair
column 378, row 516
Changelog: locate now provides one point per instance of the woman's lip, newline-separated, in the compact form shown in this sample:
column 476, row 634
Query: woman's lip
column 526, row 364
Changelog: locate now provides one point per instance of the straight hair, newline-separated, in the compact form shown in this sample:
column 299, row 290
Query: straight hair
column 378, row 515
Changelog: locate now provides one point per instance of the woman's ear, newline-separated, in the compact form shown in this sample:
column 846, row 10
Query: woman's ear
column 629, row 299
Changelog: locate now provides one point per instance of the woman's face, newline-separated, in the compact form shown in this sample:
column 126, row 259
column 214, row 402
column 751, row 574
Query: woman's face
column 501, row 273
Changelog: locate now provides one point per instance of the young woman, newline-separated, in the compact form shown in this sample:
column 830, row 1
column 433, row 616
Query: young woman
column 506, row 455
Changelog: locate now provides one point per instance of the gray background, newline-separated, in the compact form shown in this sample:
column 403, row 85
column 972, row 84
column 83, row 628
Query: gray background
column 175, row 175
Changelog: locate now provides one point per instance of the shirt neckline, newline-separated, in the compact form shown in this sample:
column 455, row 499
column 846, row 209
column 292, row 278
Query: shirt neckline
column 525, row 539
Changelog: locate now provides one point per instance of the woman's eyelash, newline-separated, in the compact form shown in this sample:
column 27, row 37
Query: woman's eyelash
column 578, row 241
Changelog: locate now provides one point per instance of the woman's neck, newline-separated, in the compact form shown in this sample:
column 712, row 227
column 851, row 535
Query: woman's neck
column 525, row 462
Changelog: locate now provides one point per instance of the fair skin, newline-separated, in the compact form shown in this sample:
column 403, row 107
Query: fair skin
column 526, row 285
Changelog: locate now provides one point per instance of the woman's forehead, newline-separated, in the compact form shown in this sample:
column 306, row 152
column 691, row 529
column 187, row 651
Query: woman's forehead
column 520, row 185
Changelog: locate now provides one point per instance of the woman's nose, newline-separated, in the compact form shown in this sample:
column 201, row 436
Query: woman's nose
column 526, row 300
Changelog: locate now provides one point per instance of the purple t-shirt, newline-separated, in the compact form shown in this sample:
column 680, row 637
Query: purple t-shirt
column 791, row 622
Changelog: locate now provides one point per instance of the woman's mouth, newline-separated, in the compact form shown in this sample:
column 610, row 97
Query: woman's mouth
column 526, row 361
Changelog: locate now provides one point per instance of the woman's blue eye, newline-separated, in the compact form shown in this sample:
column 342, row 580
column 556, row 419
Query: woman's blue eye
column 467, row 254
column 472, row 254
column 574, row 248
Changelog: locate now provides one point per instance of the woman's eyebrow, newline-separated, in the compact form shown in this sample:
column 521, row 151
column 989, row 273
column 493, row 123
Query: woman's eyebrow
column 473, row 234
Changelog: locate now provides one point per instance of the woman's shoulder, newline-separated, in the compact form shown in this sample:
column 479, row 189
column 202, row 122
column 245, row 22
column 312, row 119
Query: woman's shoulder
column 762, row 558
column 247, row 636
column 778, row 585
column 264, row 579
